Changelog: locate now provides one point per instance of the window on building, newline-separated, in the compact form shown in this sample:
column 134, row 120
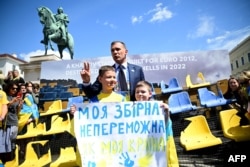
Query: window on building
column 232, row 67
column 237, row 64
column 242, row 60
column 248, row 57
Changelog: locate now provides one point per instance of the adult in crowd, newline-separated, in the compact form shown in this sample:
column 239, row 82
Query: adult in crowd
column 30, row 88
column 245, row 81
column 14, row 76
column 3, row 113
column 127, row 74
column 239, row 92
column 11, row 121
column 1, row 80
column 35, row 93
column 29, row 111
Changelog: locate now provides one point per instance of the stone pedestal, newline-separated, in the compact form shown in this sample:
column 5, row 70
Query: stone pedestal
column 32, row 69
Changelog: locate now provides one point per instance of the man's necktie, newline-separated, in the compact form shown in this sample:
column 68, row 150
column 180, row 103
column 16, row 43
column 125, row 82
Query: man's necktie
column 122, row 79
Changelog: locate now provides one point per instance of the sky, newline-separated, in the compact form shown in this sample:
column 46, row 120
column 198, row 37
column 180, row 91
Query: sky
column 146, row 26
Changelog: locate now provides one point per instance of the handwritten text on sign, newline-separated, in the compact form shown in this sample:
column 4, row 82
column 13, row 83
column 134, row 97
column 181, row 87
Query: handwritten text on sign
column 121, row 134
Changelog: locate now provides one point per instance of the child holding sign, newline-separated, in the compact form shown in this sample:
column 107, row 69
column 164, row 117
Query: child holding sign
column 107, row 78
column 143, row 92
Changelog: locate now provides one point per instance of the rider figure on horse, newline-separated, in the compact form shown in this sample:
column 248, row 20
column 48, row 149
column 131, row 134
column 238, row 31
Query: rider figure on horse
column 63, row 19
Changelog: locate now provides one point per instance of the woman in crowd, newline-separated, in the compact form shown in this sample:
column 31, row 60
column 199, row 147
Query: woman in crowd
column 3, row 112
column 238, row 92
column 29, row 105
column 11, row 120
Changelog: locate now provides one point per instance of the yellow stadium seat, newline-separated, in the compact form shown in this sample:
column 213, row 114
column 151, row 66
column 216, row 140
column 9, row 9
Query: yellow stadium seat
column 64, row 104
column 43, row 84
column 32, row 159
column 33, row 131
column 230, row 125
column 15, row 161
column 52, row 84
column 198, row 135
column 75, row 91
column 200, row 77
column 55, row 107
column 59, row 124
column 67, row 158
column 46, row 106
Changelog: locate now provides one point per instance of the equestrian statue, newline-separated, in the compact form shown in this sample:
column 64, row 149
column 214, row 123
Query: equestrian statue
column 55, row 29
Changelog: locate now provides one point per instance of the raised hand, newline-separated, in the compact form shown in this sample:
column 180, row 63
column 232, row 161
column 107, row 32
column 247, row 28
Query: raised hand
column 85, row 73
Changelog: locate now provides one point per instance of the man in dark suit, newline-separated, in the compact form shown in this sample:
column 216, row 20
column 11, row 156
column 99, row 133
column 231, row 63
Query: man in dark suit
column 132, row 73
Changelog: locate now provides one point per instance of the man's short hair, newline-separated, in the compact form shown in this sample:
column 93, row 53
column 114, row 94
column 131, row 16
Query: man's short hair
column 114, row 42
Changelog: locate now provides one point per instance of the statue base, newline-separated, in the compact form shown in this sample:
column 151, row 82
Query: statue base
column 41, row 58
column 32, row 69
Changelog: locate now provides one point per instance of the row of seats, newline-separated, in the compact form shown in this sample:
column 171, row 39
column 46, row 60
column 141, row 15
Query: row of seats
column 56, row 120
column 57, row 105
column 66, row 158
column 174, row 86
column 59, row 124
column 51, row 96
column 180, row 102
column 197, row 134
column 53, row 89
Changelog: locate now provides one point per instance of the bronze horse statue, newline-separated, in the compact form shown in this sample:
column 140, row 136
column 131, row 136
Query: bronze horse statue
column 53, row 32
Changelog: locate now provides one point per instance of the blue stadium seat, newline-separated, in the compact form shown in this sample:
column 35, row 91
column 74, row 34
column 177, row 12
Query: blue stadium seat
column 50, row 89
column 64, row 96
column 42, row 90
column 173, row 86
column 64, row 88
column 210, row 99
column 180, row 102
column 47, row 96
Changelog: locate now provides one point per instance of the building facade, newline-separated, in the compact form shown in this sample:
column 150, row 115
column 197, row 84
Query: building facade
column 30, row 71
column 9, row 63
column 240, row 57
